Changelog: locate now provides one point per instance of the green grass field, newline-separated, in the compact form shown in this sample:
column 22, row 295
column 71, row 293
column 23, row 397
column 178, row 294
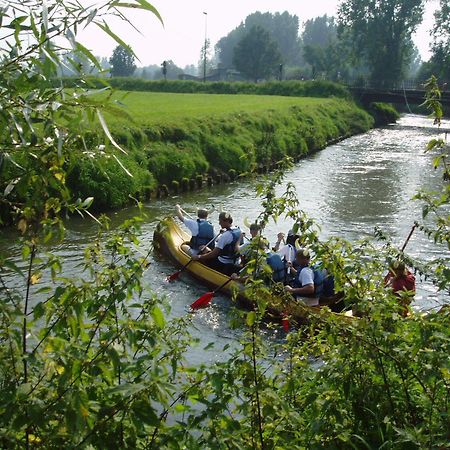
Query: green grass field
column 148, row 108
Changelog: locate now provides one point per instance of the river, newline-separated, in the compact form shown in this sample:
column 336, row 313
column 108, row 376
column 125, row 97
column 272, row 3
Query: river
column 349, row 188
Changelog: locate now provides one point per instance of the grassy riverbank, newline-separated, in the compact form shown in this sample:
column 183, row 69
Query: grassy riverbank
column 176, row 141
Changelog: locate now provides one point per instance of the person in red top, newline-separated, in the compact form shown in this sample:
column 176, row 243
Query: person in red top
column 400, row 279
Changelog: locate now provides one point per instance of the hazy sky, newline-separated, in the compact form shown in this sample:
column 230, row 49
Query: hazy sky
column 183, row 33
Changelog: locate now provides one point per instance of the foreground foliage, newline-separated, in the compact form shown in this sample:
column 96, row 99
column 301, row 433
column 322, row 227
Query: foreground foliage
column 93, row 361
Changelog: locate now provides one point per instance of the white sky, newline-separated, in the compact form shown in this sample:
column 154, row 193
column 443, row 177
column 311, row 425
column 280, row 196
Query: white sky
column 183, row 33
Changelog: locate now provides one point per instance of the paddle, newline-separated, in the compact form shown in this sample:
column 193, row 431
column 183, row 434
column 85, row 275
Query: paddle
column 186, row 213
column 285, row 322
column 409, row 237
column 192, row 217
column 285, row 318
column 205, row 299
column 175, row 275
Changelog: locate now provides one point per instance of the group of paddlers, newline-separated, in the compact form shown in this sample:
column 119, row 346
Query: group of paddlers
column 230, row 250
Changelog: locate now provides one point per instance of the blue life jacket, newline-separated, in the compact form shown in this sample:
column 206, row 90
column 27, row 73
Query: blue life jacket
column 319, row 277
column 204, row 236
column 328, row 286
column 277, row 265
column 229, row 251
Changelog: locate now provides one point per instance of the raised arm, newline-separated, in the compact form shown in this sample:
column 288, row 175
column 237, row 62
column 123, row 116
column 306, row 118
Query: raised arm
column 178, row 212
column 280, row 238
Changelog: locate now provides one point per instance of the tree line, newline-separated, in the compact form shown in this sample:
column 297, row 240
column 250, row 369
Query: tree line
column 370, row 40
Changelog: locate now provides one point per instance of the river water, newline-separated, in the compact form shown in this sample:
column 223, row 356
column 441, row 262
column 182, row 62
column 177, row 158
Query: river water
column 349, row 188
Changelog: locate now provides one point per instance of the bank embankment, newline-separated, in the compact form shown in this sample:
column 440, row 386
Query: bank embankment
column 177, row 142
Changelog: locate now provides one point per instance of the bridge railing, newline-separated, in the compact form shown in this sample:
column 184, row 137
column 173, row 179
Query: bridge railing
column 407, row 85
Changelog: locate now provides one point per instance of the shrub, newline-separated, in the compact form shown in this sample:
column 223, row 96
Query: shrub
column 168, row 162
column 383, row 113
column 184, row 184
column 225, row 155
column 103, row 178
column 291, row 88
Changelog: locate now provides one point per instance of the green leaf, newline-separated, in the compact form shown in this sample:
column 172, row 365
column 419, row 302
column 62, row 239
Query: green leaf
column 158, row 317
column 23, row 390
column 145, row 412
column 13, row 267
column 87, row 202
column 251, row 317
column 45, row 17
column 104, row 26
column 108, row 133
column 86, row 52
column 142, row 4
column 127, row 389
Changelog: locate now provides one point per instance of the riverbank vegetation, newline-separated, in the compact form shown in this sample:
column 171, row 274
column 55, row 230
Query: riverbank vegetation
column 171, row 140
column 293, row 88
column 93, row 361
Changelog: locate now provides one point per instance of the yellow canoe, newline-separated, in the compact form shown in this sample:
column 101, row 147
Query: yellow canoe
column 169, row 238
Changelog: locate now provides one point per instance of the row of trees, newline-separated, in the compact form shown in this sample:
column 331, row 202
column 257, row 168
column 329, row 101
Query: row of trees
column 367, row 39
column 370, row 39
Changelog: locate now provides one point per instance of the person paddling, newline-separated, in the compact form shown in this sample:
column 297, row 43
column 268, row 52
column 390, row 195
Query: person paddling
column 287, row 252
column 225, row 255
column 201, row 229
column 245, row 249
column 403, row 284
column 303, row 285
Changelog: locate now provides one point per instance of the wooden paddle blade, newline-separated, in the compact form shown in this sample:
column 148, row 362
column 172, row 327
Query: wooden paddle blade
column 202, row 301
column 174, row 276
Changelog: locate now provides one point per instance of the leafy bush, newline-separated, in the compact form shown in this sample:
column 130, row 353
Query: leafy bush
column 383, row 113
column 170, row 162
column 101, row 177
column 224, row 155
column 291, row 88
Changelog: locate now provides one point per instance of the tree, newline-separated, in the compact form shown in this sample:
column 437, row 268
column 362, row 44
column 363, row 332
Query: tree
column 320, row 31
column 439, row 63
column 226, row 45
column 256, row 55
column 415, row 63
column 190, row 69
column 122, row 62
column 315, row 57
column 380, row 31
column 206, row 61
column 322, row 49
column 283, row 29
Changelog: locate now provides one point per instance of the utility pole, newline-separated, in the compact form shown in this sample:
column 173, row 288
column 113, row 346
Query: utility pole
column 204, row 47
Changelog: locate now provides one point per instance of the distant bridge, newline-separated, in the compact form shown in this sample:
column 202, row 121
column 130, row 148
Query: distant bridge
column 410, row 92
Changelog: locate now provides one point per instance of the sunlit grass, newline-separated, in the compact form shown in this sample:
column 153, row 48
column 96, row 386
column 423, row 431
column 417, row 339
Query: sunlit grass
column 148, row 108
